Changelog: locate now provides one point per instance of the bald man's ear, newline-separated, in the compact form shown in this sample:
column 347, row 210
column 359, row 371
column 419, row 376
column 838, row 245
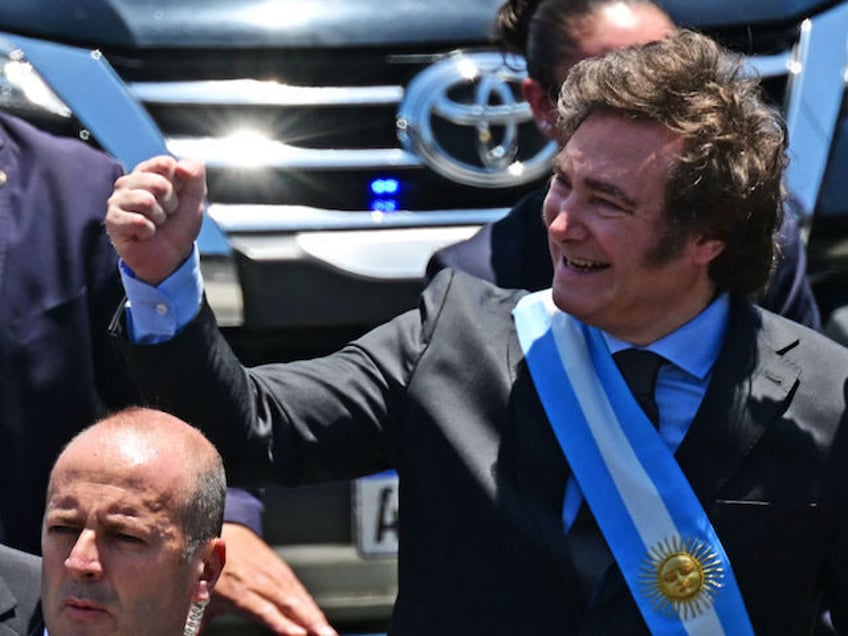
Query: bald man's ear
column 544, row 112
column 214, row 556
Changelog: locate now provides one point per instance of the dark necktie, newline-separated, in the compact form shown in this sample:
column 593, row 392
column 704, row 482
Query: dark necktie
column 640, row 368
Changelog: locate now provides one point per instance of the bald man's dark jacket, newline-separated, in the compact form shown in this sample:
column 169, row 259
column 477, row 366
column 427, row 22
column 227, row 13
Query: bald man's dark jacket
column 20, row 588
column 443, row 394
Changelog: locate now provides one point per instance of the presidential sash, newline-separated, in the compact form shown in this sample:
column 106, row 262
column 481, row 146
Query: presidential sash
column 660, row 536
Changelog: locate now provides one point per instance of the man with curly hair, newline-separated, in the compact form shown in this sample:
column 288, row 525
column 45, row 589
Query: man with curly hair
column 637, row 449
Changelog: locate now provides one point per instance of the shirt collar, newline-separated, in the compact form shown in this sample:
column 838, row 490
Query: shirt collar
column 707, row 329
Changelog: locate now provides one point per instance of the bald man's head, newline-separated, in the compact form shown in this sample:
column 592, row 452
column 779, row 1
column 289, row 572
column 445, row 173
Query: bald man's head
column 137, row 436
column 134, row 505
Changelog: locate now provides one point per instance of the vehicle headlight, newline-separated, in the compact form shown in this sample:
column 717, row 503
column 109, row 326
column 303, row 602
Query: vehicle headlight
column 23, row 91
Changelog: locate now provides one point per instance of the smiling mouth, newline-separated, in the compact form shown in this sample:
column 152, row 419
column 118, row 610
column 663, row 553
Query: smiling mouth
column 581, row 265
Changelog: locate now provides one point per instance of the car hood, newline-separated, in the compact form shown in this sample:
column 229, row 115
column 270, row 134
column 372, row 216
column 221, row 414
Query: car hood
column 250, row 23
column 309, row 23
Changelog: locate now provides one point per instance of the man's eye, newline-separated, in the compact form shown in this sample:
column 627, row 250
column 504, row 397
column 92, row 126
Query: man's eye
column 609, row 204
column 560, row 182
column 127, row 538
column 60, row 529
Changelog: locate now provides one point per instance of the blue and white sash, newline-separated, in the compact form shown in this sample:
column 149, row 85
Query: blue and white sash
column 668, row 552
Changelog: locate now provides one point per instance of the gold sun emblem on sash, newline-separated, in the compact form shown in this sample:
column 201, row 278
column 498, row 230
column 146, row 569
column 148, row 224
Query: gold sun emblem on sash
column 681, row 577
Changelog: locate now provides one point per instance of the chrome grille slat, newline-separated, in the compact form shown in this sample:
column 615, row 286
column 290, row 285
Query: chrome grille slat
column 224, row 152
column 247, row 218
column 243, row 92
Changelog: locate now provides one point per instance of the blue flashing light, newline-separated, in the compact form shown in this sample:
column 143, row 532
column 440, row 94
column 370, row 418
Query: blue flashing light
column 382, row 187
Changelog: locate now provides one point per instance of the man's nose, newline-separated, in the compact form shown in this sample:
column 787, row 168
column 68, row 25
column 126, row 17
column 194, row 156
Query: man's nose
column 567, row 222
column 84, row 560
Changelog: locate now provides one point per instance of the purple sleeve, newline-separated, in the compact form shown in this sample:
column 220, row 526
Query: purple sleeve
column 244, row 507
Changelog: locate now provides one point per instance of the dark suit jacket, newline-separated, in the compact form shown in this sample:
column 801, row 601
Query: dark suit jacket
column 20, row 589
column 58, row 289
column 512, row 252
column 59, row 286
column 443, row 395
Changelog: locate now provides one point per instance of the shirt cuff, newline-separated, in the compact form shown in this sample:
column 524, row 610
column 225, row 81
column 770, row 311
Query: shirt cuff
column 244, row 507
column 156, row 314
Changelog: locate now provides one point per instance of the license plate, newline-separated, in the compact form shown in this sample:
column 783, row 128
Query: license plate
column 375, row 514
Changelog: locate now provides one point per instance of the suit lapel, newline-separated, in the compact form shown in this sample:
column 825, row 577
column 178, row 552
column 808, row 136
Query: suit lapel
column 8, row 602
column 750, row 386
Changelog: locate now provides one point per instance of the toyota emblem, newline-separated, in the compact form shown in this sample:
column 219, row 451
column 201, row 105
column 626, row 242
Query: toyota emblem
column 466, row 118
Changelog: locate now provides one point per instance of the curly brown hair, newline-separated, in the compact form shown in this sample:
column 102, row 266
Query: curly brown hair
column 727, row 182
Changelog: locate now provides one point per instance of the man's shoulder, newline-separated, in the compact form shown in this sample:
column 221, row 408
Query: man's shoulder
column 62, row 181
column 798, row 341
column 472, row 255
column 60, row 153
column 12, row 560
column 457, row 284
column 463, row 296
column 20, row 584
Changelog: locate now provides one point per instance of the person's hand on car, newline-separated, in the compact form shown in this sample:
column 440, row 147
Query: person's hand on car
column 154, row 215
column 259, row 585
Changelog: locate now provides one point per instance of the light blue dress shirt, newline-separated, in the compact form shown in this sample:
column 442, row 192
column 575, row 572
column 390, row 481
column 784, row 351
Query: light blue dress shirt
column 156, row 314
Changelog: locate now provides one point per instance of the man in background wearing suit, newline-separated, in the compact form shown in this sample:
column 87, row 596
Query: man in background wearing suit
column 57, row 281
column 637, row 449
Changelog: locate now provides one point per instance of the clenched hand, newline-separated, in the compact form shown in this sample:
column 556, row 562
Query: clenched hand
column 154, row 215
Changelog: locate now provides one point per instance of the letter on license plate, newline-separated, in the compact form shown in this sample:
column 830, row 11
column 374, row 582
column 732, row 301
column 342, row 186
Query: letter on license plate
column 375, row 512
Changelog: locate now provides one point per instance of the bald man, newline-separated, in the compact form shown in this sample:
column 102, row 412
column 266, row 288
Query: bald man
column 130, row 539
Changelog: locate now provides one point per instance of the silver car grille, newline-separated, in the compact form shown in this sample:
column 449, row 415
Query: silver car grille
column 285, row 152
